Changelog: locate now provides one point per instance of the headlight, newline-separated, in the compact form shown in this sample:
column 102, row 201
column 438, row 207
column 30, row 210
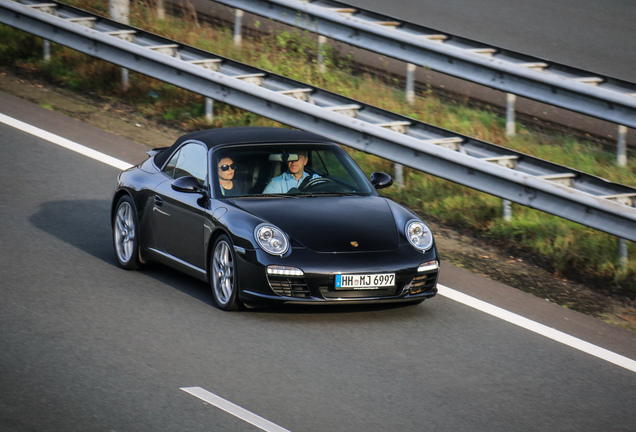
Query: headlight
column 419, row 235
column 271, row 239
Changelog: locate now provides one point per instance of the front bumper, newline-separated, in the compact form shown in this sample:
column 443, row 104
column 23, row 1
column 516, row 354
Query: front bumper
column 317, row 284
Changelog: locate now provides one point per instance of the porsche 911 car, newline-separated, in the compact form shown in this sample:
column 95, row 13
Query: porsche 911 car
column 269, row 215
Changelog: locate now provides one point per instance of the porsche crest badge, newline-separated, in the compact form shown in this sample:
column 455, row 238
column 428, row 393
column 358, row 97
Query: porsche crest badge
column 354, row 243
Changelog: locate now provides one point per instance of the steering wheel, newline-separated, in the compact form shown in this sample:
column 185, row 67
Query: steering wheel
column 316, row 181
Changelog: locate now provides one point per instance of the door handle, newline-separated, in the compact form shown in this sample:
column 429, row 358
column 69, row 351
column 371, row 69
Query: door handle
column 158, row 201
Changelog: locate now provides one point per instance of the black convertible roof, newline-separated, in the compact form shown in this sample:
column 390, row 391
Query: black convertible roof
column 241, row 135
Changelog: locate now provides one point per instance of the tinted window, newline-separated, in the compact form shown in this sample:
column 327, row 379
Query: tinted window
column 189, row 160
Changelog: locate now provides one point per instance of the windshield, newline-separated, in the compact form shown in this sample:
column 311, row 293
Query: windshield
column 287, row 170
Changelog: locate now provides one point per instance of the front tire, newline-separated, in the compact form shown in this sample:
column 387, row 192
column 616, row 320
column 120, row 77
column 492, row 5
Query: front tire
column 126, row 234
column 223, row 275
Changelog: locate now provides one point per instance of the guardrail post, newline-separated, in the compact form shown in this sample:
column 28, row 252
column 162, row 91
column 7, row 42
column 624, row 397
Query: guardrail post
column 238, row 24
column 398, row 170
column 209, row 109
column 120, row 11
column 506, row 209
column 621, row 160
column 622, row 252
column 621, row 152
column 510, row 115
column 410, row 83
column 46, row 50
column 322, row 41
column 510, row 132
column 125, row 80
column 161, row 10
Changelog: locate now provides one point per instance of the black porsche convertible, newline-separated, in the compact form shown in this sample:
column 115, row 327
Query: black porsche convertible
column 272, row 215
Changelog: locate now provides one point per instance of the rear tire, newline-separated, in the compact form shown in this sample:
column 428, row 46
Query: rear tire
column 126, row 234
column 224, row 275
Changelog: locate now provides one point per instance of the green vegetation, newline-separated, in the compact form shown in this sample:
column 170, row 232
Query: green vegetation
column 568, row 249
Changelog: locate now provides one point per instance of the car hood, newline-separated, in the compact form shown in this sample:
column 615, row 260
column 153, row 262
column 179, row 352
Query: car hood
column 330, row 224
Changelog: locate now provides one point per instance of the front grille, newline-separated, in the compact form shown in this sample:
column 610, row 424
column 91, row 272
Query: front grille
column 289, row 287
column 422, row 283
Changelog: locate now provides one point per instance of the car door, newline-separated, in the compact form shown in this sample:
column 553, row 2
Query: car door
column 178, row 218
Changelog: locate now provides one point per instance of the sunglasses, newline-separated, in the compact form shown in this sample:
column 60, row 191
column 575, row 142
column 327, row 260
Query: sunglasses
column 226, row 167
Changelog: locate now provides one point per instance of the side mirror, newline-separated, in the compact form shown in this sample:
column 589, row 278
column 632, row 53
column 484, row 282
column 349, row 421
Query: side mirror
column 188, row 184
column 381, row 180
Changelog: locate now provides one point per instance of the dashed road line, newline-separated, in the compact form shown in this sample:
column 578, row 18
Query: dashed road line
column 233, row 409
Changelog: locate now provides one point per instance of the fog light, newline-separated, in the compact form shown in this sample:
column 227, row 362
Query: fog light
column 284, row 271
column 428, row 266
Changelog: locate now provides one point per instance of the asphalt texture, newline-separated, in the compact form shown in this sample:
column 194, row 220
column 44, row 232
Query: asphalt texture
column 89, row 346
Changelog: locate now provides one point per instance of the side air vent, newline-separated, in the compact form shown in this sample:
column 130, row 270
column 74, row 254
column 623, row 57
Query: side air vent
column 423, row 283
column 289, row 287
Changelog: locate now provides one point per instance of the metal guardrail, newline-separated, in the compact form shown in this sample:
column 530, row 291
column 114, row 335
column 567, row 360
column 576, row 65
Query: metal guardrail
column 517, row 177
column 534, row 78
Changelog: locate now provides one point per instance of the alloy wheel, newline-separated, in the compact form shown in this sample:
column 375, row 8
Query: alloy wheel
column 223, row 273
column 125, row 232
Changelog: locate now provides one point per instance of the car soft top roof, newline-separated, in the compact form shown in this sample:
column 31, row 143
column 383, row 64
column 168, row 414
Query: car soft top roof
column 241, row 135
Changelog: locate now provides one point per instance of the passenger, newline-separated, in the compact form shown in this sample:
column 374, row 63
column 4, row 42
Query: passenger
column 227, row 169
column 293, row 177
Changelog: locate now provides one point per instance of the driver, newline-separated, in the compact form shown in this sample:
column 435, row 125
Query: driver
column 293, row 177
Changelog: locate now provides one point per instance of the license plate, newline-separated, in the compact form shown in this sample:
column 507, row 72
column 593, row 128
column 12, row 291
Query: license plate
column 365, row 281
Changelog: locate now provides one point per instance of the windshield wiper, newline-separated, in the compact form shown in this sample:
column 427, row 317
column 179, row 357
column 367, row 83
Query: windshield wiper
column 316, row 194
column 272, row 195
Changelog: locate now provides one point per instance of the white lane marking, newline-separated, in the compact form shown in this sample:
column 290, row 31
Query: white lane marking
column 233, row 409
column 536, row 327
column 498, row 312
column 56, row 139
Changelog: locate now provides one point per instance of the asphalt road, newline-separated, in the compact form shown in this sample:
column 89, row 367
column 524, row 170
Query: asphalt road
column 88, row 346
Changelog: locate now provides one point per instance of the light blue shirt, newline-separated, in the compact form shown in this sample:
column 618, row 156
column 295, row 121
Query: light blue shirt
column 284, row 182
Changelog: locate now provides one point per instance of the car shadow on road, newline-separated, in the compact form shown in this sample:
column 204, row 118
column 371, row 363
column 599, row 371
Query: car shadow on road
column 85, row 225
